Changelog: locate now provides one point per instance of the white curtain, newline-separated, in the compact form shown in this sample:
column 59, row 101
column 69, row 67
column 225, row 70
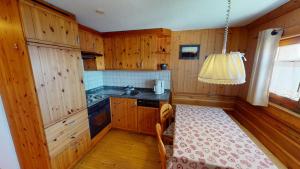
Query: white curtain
column 268, row 41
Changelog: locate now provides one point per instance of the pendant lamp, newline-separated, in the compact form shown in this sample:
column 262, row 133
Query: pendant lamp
column 224, row 68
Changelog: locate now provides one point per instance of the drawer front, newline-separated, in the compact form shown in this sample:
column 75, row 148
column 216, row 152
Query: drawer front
column 72, row 152
column 60, row 134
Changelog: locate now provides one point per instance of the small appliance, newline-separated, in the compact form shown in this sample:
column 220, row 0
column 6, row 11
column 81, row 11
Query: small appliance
column 159, row 87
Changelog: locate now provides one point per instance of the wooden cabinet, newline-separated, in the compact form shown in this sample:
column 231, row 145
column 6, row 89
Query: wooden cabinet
column 128, row 116
column 136, row 51
column 44, row 25
column 124, row 113
column 72, row 152
column 59, row 83
column 90, row 40
column 147, row 119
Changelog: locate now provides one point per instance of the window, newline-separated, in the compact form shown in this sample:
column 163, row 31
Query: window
column 285, row 82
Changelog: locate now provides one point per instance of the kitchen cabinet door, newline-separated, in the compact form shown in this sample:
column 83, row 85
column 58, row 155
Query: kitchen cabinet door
column 149, row 53
column 72, row 152
column 131, row 115
column 59, row 82
column 109, row 53
column 131, row 60
column 147, row 119
column 42, row 24
column 119, row 112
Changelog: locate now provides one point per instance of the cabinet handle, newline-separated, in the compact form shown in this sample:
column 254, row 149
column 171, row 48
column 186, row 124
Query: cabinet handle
column 70, row 122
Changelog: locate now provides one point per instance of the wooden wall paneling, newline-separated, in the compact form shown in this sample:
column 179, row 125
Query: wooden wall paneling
column 18, row 91
column 286, row 18
column 185, row 72
column 282, row 140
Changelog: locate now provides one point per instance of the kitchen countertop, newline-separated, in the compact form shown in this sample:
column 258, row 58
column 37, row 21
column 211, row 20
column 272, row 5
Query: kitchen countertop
column 144, row 93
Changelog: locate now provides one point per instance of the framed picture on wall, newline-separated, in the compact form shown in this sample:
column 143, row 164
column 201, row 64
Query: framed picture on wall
column 189, row 52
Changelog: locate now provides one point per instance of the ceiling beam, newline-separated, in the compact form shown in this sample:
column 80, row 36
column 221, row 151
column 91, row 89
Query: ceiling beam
column 283, row 9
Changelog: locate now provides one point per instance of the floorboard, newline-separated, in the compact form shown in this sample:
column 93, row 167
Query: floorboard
column 126, row 150
column 122, row 150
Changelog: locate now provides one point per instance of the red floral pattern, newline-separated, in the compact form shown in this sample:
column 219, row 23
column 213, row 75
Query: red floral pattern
column 207, row 138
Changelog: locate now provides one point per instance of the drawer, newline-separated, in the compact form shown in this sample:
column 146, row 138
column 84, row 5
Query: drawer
column 59, row 134
column 72, row 152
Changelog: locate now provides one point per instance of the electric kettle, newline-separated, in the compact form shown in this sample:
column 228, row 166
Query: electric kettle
column 159, row 87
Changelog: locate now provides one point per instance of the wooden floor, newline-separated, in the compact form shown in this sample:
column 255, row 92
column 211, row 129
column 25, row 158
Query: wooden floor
column 122, row 150
column 125, row 150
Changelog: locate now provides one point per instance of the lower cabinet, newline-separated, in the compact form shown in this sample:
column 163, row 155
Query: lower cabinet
column 124, row 113
column 72, row 152
column 68, row 140
column 147, row 118
column 127, row 115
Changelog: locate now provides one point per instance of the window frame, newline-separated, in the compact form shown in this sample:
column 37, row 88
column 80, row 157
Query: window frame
column 281, row 100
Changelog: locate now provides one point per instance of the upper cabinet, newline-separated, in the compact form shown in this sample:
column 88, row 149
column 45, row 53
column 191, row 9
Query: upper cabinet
column 58, row 75
column 91, row 44
column 137, row 50
column 90, row 40
column 44, row 25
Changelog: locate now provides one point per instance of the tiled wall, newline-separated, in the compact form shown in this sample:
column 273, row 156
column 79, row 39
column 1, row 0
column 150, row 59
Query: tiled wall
column 144, row 79
column 92, row 79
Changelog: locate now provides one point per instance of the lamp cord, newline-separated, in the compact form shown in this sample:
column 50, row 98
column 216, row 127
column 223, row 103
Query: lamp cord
column 226, row 27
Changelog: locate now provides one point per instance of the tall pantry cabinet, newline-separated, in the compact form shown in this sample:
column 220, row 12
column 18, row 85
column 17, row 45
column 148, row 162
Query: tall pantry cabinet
column 53, row 45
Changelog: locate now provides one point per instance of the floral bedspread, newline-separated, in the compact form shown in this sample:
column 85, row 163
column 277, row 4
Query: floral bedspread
column 207, row 138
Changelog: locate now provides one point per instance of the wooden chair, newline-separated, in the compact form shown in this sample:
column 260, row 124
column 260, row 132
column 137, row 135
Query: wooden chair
column 165, row 151
column 168, row 127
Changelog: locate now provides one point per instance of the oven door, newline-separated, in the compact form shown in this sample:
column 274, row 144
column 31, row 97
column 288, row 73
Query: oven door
column 99, row 117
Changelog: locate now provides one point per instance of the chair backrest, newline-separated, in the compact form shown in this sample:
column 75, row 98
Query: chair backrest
column 166, row 112
column 161, row 147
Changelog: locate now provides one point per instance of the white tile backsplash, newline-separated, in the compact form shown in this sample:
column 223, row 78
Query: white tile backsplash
column 92, row 79
column 143, row 79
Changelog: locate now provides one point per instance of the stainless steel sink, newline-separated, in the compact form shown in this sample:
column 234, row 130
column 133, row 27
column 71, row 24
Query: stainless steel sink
column 131, row 93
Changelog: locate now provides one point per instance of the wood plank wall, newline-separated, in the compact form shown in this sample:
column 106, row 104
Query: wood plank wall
column 276, row 128
column 185, row 86
column 18, row 92
column 290, row 22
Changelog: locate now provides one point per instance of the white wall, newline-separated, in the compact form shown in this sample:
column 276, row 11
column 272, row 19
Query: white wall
column 8, row 156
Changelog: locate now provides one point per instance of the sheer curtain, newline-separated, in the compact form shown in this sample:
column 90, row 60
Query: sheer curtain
column 286, row 73
column 268, row 41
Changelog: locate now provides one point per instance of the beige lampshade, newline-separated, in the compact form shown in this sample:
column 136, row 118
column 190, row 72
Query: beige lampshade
column 225, row 69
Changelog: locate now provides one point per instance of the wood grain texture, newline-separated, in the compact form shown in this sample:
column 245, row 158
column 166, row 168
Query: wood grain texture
column 280, row 135
column 147, row 119
column 72, row 153
column 44, row 25
column 90, row 40
column 18, row 92
column 122, row 150
column 288, row 20
column 136, row 51
column 124, row 113
column 59, row 83
column 285, row 8
column 185, row 72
